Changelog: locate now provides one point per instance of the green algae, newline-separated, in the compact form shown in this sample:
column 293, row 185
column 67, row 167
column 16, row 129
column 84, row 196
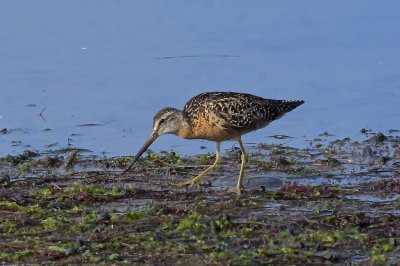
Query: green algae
column 101, row 218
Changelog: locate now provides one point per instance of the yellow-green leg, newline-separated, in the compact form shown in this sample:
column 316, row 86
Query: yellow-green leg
column 242, row 167
column 205, row 172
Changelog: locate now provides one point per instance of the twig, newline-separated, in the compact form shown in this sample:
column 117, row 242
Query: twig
column 41, row 114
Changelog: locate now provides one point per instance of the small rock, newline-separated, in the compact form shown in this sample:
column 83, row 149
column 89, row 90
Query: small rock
column 328, row 255
column 291, row 231
column 158, row 235
column 320, row 247
column 63, row 204
column 367, row 151
column 377, row 138
column 138, row 228
column 71, row 251
column 5, row 180
column 226, row 217
column 96, row 230
column 393, row 242
column 30, row 154
column 385, row 159
column 80, row 241
column 103, row 217
column 28, row 221
column 283, row 161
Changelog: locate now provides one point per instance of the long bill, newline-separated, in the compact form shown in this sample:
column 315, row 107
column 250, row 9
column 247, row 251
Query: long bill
column 148, row 142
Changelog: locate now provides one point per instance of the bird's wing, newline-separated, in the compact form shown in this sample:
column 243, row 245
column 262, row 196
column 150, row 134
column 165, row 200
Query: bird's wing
column 237, row 111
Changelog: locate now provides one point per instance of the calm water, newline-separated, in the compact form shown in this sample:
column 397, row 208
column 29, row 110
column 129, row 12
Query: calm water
column 115, row 63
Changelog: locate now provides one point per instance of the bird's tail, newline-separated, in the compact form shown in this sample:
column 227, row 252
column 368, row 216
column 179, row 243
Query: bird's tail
column 277, row 108
column 293, row 104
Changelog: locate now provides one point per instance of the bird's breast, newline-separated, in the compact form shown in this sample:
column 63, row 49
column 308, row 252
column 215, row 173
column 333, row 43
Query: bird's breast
column 209, row 127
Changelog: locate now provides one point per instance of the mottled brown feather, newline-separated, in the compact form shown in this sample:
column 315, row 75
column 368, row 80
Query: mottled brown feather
column 222, row 116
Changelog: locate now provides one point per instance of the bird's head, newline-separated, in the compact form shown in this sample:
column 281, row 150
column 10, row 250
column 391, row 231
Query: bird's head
column 166, row 121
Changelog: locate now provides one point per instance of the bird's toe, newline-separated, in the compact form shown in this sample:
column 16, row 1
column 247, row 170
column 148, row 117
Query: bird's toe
column 185, row 184
column 235, row 190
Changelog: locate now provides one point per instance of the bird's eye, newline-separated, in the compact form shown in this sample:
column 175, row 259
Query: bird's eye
column 162, row 121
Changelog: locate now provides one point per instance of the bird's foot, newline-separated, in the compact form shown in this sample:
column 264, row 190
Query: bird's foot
column 189, row 183
column 236, row 190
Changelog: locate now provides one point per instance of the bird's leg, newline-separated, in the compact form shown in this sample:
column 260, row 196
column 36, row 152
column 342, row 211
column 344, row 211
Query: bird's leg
column 202, row 174
column 242, row 166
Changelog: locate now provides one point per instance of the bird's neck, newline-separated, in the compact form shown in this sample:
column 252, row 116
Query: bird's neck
column 184, row 130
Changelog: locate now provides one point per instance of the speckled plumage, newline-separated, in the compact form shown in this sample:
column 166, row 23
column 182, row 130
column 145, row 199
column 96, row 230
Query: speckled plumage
column 217, row 116
column 232, row 114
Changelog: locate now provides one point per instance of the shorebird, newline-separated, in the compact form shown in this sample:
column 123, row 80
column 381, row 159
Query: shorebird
column 217, row 116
